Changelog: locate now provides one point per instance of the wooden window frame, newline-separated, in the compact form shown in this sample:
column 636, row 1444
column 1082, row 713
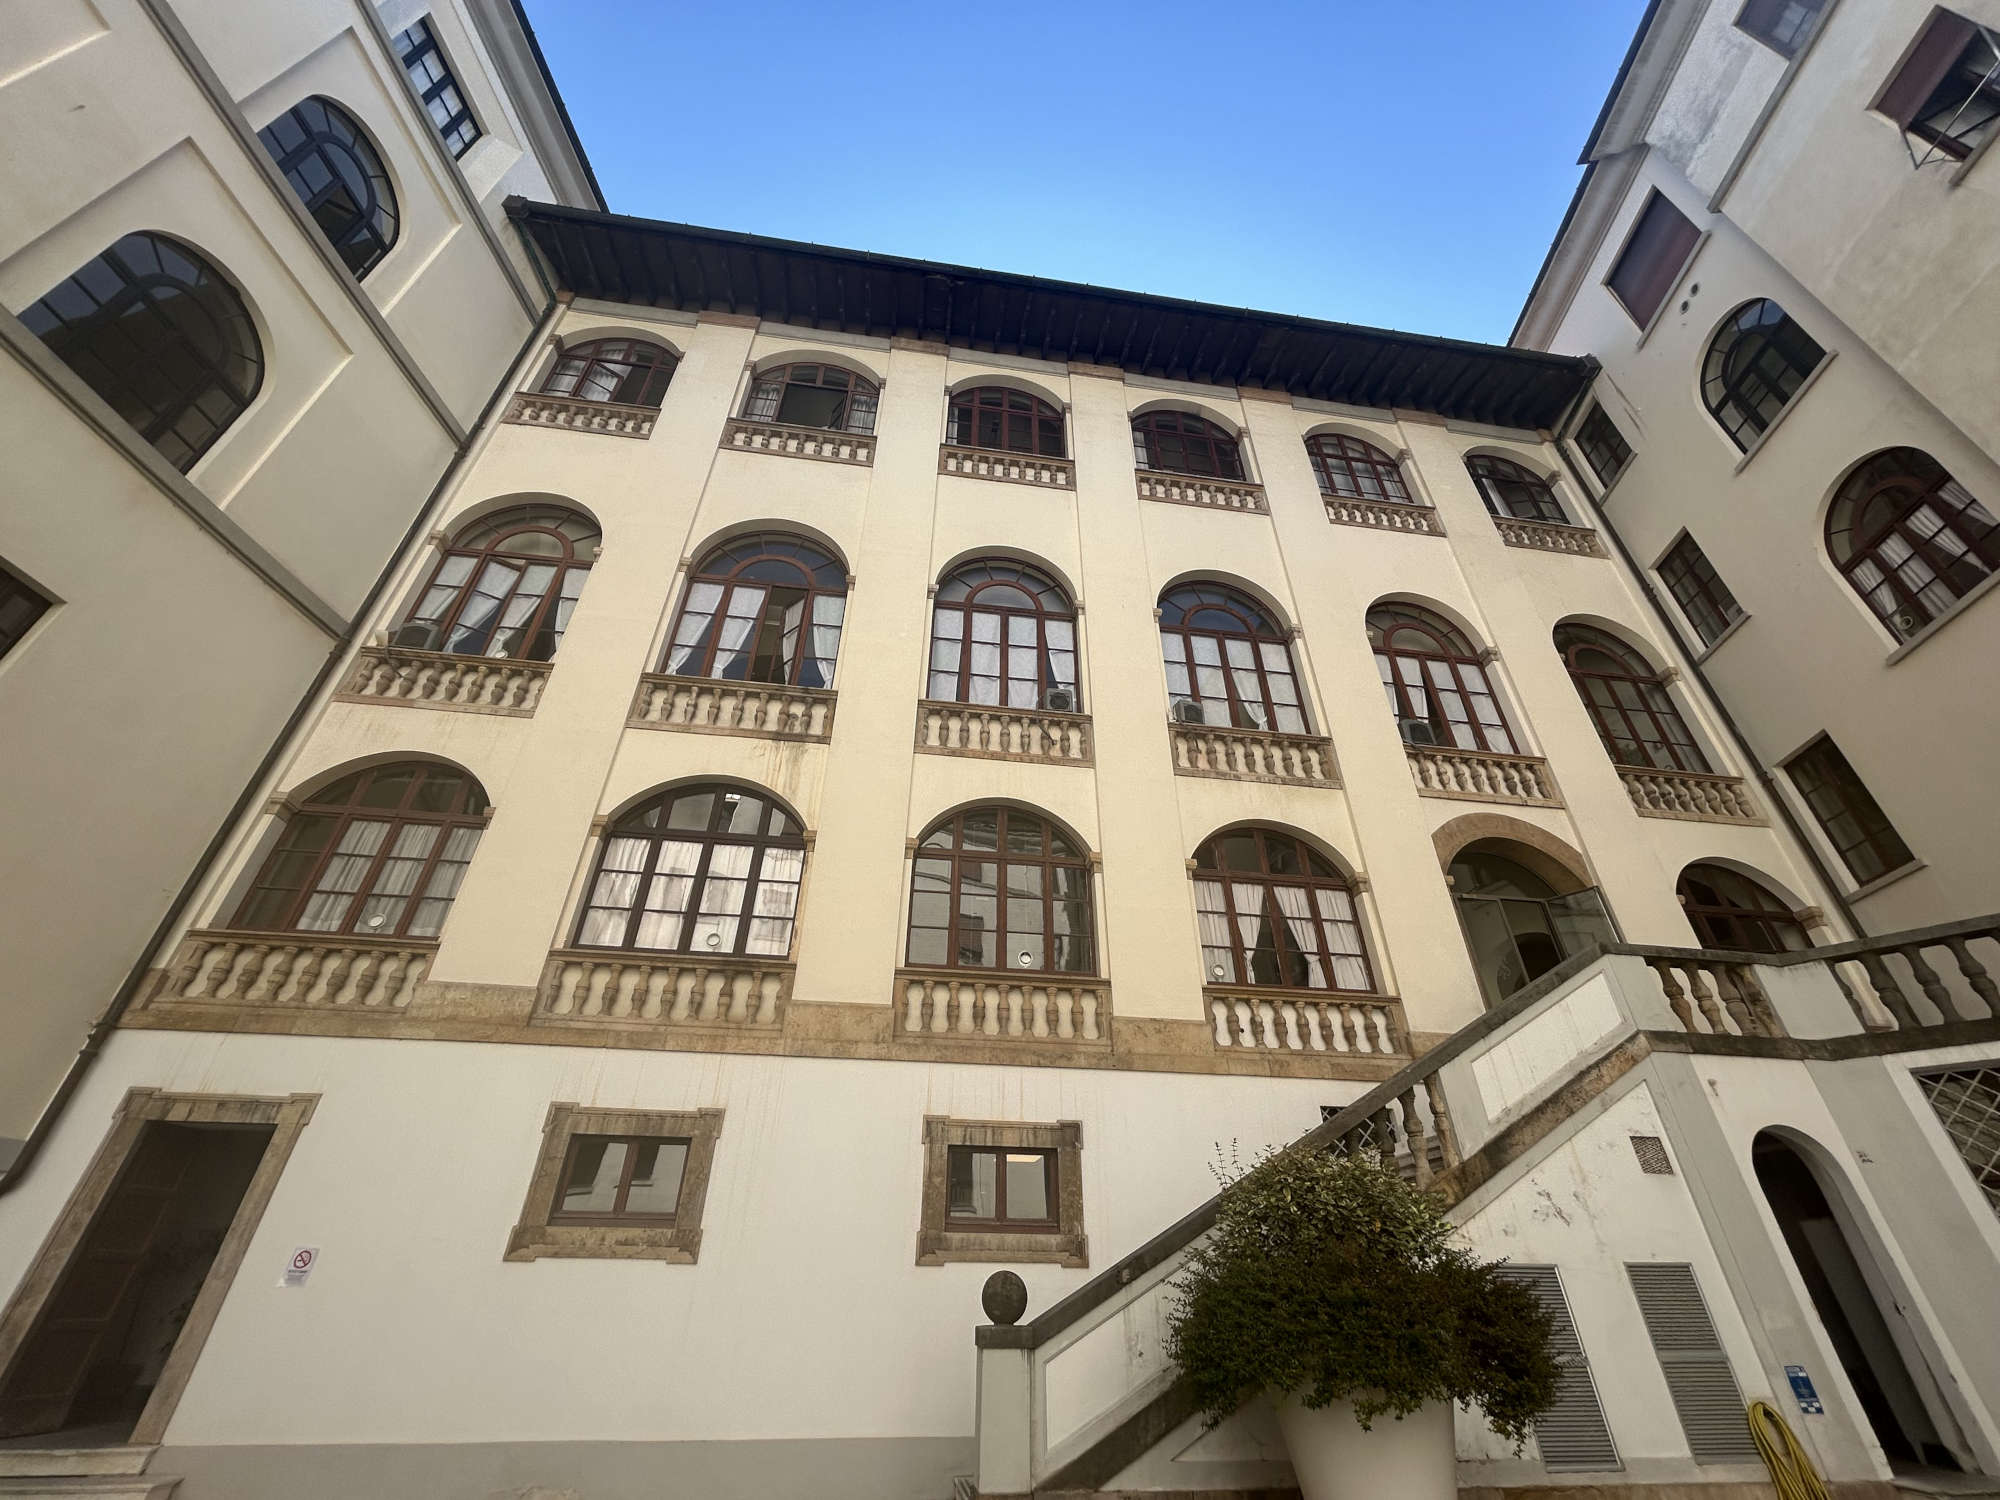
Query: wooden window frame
column 369, row 233
column 1703, row 597
column 1048, row 862
column 576, row 556
column 1449, row 646
column 545, row 1233
column 967, row 405
column 1221, row 448
column 1909, row 487
column 1736, row 379
column 1656, row 705
column 768, row 389
column 1273, row 915
column 1878, row 834
column 1591, row 445
column 1258, row 629
column 1001, row 1222
column 627, row 355
column 1754, row 21
column 1490, row 471
column 619, row 1213
column 942, row 1241
column 812, row 589
column 1338, row 459
column 1052, row 602
column 1770, row 921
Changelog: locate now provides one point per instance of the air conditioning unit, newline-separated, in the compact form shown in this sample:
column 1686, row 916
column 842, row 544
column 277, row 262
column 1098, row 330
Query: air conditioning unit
column 1187, row 711
column 1417, row 731
column 418, row 635
column 1060, row 700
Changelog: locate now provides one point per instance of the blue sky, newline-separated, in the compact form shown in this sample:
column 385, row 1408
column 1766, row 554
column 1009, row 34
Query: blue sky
column 1374, row 161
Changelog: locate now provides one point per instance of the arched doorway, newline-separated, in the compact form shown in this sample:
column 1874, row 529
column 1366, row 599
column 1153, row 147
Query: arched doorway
column 1840, row 1279
column 1523, row 913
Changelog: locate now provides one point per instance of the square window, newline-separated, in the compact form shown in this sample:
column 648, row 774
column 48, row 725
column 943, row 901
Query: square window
column 1603, row 445
column 1699, row 590
column 1780, row 25
column 618, row 1184
column 1651, row 262
column 1947, row 90
column 1000, row 1191
column 1852, row 820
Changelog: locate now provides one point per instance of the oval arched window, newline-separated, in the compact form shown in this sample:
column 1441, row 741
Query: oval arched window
column 999, row 888
column 1007, row 420
column 1756, row 363
column 505, row 586
column 1909, row 538
column 704, row 869
column 1509, row 489
column 1002, row 633
column 1350, row 469
column 1628, row 702
column 1730, row 910
column 338, row 174
column 1274, row 911
column 1437, row 687
column 1227, row 663
column 626, row 372
column 1180, row 442
column 158, row 332
column 762, row 608
column 379, row 853
column 812, row 396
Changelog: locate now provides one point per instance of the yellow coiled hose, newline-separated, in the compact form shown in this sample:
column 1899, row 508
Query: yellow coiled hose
column 1791, row 1471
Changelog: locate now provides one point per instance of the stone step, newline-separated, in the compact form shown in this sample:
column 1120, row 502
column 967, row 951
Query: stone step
column 53, row 1463
column 95, row 1486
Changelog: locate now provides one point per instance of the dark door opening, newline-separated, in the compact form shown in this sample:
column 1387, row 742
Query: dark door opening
column 96, row 1350
column 1846, row 1305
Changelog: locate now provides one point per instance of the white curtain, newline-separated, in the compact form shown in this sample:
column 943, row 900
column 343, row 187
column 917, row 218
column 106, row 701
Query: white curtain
column 667, row 895
column 697, row 619
column 746, row 605
column 1343, row 940
column 1305, row 937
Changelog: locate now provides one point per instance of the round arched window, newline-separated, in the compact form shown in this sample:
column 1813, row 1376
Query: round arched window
column 705, row 869
column 1179, row 442
column 1228, row 664
column 1437, row 687
column 376, row 854
column 1517, row 925
column 999, row 888
column 628, row 372
column 1634, row 714
column 812, row 396
column 1353, row 470
column 1273, row 910
column 766, row 607
column 1910, row 539
column 1756, row 363
column 505, row 586
column 338, row 174
column 1012, row 421
column 1509, row 489
column 158, row 332
column 1729, row 910
column 1003, row 633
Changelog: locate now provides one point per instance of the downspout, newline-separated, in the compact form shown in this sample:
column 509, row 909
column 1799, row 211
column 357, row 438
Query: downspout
column 101, row 1030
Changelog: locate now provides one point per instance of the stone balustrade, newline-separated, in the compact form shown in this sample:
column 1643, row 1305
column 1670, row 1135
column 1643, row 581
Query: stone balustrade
column 1547, row 536
column 1689, row 796
column 1481, row 776
column 1384, row 515
column 1252, row 755
column 534, row 409
column 1015, row 468
column 434, row 679
column 597, row 986
column 1026, row 1008
column 285, row 969
column 1195, row 489
column 746, row 436
column 1003, row 733
column 1709, row 994
column 720, row 705
column 1281, row 1020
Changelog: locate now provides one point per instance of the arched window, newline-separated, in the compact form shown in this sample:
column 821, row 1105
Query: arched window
column 812, row 396
column 1227, row 663
column 376, row 854
column 1273, row 911
column 629, row 372
column 1437, row 688
column 1756, row 363
column 158, row 333
column 1179, row 442
column 1511, row 490
column 1354, row 470
column 1517, row 924
column 1003, row 633
column 1911, row 539
column 703, row 869
column 1629, row 704
column 338, row 174
column 998, row 888
column 993, row 416
column 1729, row 910
column 763, row 608
column 505, row 586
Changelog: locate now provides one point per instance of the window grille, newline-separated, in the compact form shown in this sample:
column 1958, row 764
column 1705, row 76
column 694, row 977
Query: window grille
column 1967, row 1102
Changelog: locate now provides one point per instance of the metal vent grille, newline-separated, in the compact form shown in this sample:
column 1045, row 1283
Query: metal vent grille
column 1652, row 1154
column 1704, row 1389
column 1967, row 1101
column 1572, row 1434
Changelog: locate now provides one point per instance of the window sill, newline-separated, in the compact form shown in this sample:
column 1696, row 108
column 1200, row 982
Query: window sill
column 674, row 1246
column 743, row 435
column 1882, row 882
column 943, row 1247
column 1978, row 591
column 1757, row 445
column 1009, row 467
column 1716, row 645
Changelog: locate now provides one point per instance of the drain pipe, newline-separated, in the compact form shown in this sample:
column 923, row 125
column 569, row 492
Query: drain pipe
column 101, row 1030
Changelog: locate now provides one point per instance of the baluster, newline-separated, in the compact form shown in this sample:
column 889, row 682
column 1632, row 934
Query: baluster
column 590, row 988
column 1975, row 974
column 328, row 984
column 914, row 994
column 360, row 978
column 656, row 984
column 195, row 970
column 1089, row 1000
column 1289, row 1013
column 1267, row 1028
column 1762, row 1011
column 1888, row 991
column 708, row 984
column 738, row 986
column 1041, row 1012
column 1441, row 1121
column 1670, row 986
column 1385, row 1135
column 1413, row 1129
column 1218, row 1013
column 1704, row 998
column 298, row 983
column 1245, row 1036
column 387, row 979
column 767, row 999
column 1018, row 1002
column 1315, row 1019
column 684, row 994
column 1733, row 1001
column 1928, row 981
column 416, row 966
column 1064, row 1004
column 940, row 1005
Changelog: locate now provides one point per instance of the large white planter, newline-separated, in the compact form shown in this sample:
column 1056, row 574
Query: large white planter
column 1412, row 1459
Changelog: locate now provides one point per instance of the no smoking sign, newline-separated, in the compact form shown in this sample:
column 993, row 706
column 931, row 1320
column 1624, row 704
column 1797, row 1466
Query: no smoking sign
column 299, row 1267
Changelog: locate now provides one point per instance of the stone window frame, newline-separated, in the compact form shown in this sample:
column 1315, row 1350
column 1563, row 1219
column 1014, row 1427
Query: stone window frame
column 1067, row 1245
column 676, row 1243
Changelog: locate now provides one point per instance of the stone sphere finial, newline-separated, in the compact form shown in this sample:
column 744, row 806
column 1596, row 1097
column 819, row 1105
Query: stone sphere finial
column 1005, row 1297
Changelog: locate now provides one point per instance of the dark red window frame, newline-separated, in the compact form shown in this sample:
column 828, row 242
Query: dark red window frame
column 1351, row 469
column 1910, row 539
column 623, row 372
column 1730, row 910
column 974, row 857
column 1410, row 633
column 619, row 1212
column 1847, row 812
column 1268, row 861
column 1043, row 631
column 1194, row 614
column 498, row 559
column 999, row 1221
column 1179, row 442
column 1005, row 420
column 826, row 397
column 1699, row 590
column 1511, row 489
column 1755, row 365
column 1634, row 714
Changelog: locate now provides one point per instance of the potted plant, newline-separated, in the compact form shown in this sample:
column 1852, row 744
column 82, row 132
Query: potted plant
column 1342, row 1292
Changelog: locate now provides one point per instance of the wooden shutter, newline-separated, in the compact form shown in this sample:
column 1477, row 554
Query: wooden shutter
column 1703, row 1386
column 1572, row 1434
column 1925, row 68
column 1653, row 258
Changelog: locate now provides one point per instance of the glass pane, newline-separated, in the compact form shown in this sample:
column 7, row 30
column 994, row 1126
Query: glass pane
column 972, row 1183
column 595, row 1168
column 1027, row 1186
column 656, row 1177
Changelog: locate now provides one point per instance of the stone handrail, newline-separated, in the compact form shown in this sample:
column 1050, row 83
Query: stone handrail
column 1720, row 998
column 1384, row 515
column 603, row 986
column 436, row 679
column 1689, row 796
column 1263, row 1018
column 314, row 970
column 1195, row 489
column 1016, row 468
column 746, row 436
column 1003, row 733
column 1251, row 755
column 1481, row 776
column 722, row 705
column 1547, row 536
column 535, row 409
column 1002, row 1006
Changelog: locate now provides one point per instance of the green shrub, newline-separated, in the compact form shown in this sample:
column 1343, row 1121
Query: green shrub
column 1333, row 1279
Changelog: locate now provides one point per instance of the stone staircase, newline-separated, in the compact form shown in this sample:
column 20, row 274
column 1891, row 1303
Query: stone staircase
column 109, row 1473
